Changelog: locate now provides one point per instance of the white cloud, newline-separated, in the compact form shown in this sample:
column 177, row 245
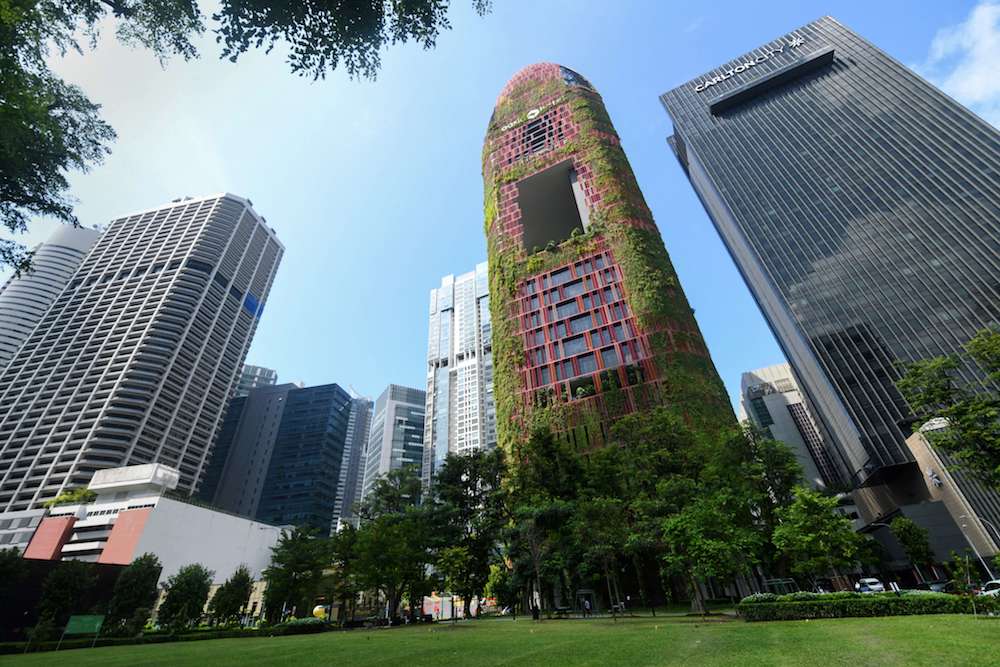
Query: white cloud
column 964, row 61
column 694, row 25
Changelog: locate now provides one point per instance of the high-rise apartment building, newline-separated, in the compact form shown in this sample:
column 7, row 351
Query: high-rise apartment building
column 461, row 416
column 862, row 206
column 252, row 377
column 396, row 438
column 589, row 319
column 771, row 399
column 134, row 361
column 352, row 466
column 25, row 298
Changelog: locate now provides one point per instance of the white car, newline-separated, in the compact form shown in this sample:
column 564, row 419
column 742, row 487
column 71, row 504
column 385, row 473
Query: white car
column 869, row 585
column 991, row 588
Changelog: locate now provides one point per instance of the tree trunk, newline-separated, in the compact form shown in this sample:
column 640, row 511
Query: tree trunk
column 697, row 603
column 642, row 584
column 535, row 557
column 392, row 600
column 614, row 579
column 611, row 598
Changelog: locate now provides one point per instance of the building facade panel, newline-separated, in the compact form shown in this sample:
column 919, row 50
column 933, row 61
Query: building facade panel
column 252, row 377
column 133, row 514
column 50, row 537
column 352, row 466
column 770, row 398
column 123, row 539
column 236, row 472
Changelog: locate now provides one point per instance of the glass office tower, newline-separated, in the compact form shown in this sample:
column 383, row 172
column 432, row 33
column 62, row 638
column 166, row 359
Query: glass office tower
column 396, row 435
column 300, row 487
column 862, row 206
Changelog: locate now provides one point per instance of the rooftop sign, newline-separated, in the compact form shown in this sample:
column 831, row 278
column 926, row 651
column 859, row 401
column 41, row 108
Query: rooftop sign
column 793, row 43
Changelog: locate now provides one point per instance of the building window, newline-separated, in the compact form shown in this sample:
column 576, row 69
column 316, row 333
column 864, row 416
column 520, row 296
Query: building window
column 760, row 410
column 573, row 346
column 564, row 310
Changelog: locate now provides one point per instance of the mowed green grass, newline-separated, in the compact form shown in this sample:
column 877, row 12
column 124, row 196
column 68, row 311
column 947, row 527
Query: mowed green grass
column 900, row 640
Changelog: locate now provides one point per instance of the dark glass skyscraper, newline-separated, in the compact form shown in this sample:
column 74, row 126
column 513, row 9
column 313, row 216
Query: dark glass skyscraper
column 301, row 483
column 281, row 455
column 862, row 206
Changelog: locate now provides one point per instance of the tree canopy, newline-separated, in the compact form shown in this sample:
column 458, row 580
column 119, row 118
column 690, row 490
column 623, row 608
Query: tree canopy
column 470, row 507
column 972, row 411
column 297, row 563
column 78, row 496
column 232, row 596
column 64, row 591
column 134, row 595
column 49, row 128
column 814, row 536
column 914, row 540
column 187, row 593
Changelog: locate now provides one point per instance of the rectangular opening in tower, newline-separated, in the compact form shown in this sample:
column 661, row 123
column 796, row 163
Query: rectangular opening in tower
column 552, row 206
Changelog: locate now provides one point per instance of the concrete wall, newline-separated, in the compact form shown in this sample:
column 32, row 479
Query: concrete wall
column 182, row 534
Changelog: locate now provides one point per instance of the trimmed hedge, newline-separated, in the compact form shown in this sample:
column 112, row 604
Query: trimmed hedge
column 296, row 626
column 801, row 606
column 299, row 626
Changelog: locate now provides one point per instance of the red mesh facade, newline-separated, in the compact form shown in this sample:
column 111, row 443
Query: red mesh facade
column 566, row 330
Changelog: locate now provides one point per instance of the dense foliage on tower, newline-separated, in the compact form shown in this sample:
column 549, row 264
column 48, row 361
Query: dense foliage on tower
column 590, row 323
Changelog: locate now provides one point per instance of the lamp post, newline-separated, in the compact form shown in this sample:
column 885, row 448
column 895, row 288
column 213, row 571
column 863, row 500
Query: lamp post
column 972, row 544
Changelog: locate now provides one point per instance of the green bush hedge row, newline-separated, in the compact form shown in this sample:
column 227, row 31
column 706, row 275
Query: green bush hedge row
column 295, row 626
column 841, row 605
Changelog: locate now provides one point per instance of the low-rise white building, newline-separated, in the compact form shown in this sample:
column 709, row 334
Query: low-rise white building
column 133, row 514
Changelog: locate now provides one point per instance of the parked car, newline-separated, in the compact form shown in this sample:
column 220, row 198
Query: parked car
column 869, row 585
column 991, row 588
column 939, row 586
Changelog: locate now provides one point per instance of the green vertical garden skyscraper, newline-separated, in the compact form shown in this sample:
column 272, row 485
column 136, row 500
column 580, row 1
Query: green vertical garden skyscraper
column 589, row 319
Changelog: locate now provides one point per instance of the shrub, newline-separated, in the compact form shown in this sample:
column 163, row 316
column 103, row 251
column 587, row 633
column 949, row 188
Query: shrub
column 839, row 605
column 798, row 596
column 848, row 595
column 759, row 597
column 299, row 626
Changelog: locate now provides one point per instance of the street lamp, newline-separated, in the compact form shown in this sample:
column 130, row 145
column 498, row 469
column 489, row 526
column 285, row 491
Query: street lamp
column 972, row 544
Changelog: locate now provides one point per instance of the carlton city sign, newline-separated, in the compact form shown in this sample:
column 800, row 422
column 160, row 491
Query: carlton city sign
column 747, row 64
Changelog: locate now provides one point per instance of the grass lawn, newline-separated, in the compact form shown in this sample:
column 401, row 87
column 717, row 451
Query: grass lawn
column 898, row 640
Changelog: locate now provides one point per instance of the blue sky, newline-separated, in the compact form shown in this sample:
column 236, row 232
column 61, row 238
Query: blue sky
column 375, row 187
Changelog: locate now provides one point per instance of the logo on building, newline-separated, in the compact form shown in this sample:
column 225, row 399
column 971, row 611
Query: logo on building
column 793, row 43
column 531, row 115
